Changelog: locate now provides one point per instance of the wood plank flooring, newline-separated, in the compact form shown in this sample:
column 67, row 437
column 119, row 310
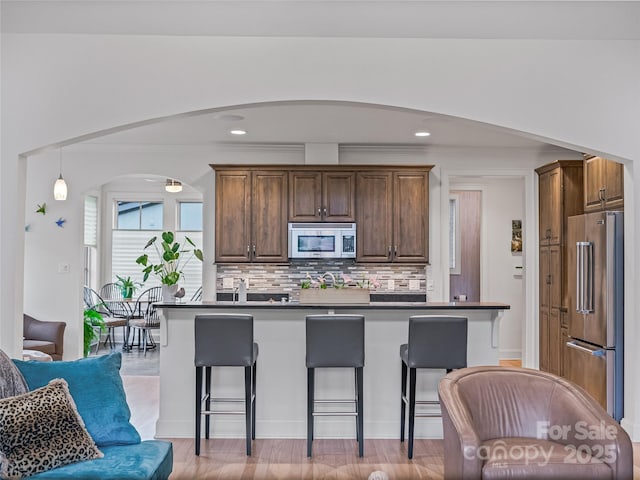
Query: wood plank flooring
column 284, row 459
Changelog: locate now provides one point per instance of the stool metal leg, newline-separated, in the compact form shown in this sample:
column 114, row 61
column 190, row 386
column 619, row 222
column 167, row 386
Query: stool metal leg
column 253, row 392
column 412, row 407
column 403, row 396
column 198, row 407
column 207, row 403
column 310, row 395
column 360, row 417
column 247, row 406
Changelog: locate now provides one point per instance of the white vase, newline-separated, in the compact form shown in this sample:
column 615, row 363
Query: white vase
column 169, row 293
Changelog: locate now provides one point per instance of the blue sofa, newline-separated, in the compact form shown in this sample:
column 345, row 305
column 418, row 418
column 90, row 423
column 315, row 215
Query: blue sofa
column 96, row 387
column 147, row 460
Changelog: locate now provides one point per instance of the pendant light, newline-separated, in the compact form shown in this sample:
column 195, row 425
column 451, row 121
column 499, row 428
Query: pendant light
column 60, row 187
column 173, row 186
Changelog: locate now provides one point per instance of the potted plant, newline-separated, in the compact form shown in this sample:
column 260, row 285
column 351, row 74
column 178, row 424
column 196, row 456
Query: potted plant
column 93, row 326
column 172, row 258
column 127, row 286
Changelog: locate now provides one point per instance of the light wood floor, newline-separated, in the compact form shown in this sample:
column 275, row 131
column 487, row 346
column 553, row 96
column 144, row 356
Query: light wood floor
column 275, row 459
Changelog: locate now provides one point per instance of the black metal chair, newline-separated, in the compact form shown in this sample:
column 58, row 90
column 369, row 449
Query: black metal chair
column 335, row 341
column 225, row 340
column 112, row 319
column 112, row 294
column 145, row 319
column 438, row 342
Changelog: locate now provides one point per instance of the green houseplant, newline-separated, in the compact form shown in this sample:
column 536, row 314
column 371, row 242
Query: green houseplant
column 172, row 258
column 93, row 326
column 127, row 286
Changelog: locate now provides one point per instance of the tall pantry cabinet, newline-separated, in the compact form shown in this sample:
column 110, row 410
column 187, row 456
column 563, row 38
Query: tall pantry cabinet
column 560, row 186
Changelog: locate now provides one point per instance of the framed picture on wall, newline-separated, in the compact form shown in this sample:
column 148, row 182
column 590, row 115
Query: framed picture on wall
column 516, row 235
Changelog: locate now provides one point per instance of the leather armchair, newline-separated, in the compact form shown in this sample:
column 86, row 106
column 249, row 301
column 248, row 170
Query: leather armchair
column 46, row 337
column 502, row 422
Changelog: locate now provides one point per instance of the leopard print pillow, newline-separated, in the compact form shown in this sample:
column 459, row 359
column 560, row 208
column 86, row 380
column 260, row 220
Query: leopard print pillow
column 41, row 430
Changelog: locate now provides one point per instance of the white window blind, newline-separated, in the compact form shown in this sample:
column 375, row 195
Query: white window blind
column 90, row 221
column 129, row 244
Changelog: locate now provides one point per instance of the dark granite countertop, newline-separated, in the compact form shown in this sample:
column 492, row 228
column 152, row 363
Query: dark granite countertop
column 372, row 305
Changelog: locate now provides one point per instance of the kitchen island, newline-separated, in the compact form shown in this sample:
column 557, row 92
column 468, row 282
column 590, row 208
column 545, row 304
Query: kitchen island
column 282, row 377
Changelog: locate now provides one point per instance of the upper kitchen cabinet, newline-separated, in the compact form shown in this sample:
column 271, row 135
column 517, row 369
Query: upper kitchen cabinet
column 321, row 196
column 251, row 215
column 392, row 215
column 603, row 184
column 560, row 187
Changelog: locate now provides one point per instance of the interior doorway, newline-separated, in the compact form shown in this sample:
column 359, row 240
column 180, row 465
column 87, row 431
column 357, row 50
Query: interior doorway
column 465, row 208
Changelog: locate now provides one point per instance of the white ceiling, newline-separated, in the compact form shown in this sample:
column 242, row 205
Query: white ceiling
column 479, row 19
column 326, row 122
column 319, row 122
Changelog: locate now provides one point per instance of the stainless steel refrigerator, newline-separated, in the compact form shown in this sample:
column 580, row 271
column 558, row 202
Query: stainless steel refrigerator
column 594, row 353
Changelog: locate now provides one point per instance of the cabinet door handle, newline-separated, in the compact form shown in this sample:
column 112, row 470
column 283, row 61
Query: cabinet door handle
column 254, row 250
column 389, row 254
column 548, row 233
column 319, row 211
column 395, row 251
column 249, row 252
column 324, row 210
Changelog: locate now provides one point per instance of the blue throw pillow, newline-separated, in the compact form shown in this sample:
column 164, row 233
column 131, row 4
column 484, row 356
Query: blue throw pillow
column 96, row 387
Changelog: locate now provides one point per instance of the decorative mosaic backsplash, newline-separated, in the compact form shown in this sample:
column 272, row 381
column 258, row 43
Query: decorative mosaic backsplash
column 287, row 278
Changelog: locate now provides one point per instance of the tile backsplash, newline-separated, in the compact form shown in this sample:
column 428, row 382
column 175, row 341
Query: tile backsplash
column 287, row 277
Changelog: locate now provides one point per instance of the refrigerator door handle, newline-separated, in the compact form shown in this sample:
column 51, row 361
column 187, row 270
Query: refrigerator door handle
column 578, row 277
column 590, row 279
column 596, row 353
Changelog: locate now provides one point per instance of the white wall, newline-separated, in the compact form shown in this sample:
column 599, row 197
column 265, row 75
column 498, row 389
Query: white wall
column 57, row 87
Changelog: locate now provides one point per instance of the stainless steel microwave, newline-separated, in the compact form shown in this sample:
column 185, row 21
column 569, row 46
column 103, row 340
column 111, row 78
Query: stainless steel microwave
column 322, row 240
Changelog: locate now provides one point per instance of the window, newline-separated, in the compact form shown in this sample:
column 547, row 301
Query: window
column 90, row 240
column 139, row 215
column 136, row 222
column 190, row 216
column 454, row 235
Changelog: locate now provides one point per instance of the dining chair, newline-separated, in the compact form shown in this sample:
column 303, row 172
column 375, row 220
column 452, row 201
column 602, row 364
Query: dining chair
column 149, row 318
column 112, row 320
column 112, row 293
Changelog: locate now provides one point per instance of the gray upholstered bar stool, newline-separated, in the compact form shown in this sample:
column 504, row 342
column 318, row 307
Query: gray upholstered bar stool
column 225, row 340
column 335, row 341
column 438, row 342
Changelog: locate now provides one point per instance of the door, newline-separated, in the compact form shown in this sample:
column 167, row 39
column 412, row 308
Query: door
column 374, row 214
column 587, row 366
column 595, row 323
column 466, row 280
column 305, row 200
column 575, row 234
column 410, row 220
column 593, row 182
column 269, row 216
column 233, row 216
column 338, row 196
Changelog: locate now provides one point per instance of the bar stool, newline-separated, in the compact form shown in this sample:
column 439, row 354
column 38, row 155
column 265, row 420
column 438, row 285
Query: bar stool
column 438, row 342
column 335, row 341
column 225, row 340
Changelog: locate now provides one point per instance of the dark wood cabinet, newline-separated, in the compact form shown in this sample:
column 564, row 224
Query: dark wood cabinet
column 255, row 203
column 411, row 219
column 561, row 187
column 603, row 184
column 322, row 196
column 374, row 216
column 251, row 216
column 392, row 215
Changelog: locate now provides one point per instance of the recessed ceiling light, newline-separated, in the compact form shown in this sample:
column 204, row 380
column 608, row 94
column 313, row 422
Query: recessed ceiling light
column 239, row 132
column 422, row 134
column 229, row 117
